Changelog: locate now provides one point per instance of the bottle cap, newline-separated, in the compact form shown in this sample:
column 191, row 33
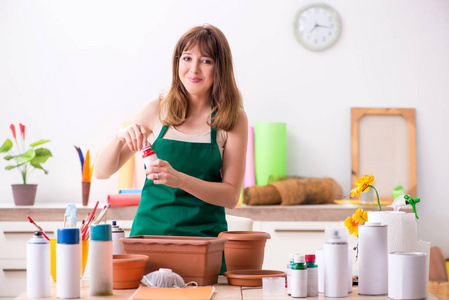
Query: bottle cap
column 336, row 235
column 100, row 232
column 69, row 236
column 299, row 258
column 147, row 151
column 310, row 257
column 38, row 238
column 71, row 219
column 373, row 224
column 291, row 256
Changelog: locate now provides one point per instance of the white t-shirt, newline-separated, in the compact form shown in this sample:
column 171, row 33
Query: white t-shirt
column 174, row 134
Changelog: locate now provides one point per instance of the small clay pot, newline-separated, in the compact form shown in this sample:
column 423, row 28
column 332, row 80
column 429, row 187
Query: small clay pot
column 24, row 194
column 244, row 250
column 127, row 270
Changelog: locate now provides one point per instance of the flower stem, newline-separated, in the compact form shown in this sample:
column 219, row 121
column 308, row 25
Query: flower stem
column 378, row 202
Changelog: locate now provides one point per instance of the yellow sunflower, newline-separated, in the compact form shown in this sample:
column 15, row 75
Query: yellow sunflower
column 360, row 216
column 352, row 226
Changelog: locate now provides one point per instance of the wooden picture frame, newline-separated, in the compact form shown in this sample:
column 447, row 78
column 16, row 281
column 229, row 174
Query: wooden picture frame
column 384, row 139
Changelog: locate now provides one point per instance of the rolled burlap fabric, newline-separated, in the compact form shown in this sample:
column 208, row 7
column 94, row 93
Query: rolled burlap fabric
column 295, row 191
column 261, row 195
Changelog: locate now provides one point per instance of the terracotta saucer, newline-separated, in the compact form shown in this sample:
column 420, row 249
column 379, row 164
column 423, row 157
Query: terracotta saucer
column 251, row 277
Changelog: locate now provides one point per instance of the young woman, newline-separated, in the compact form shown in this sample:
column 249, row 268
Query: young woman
column 199, row 133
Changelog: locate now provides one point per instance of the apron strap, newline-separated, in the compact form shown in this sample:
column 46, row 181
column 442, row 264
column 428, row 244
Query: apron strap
column 162, row 132
column 213, row 132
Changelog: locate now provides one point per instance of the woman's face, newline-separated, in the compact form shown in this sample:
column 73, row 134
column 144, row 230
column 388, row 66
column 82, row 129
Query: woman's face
column 196, row 72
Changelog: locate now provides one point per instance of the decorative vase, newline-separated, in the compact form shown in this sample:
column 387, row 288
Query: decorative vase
column 86, row 192
column 244, row 250
column 24, row 194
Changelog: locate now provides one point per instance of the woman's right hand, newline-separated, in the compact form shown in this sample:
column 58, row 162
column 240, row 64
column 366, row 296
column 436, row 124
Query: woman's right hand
column 134, row 136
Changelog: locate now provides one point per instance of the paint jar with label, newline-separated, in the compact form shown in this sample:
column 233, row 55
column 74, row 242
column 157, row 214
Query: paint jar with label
column 312, row 276
column 68, row 262
column 299, row 277
column 100, row 260
column 38, row 267
column 149, row 156
column 117, row 234
column 289, row 272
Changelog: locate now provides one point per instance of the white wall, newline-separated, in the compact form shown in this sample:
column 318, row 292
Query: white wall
column 73, row 71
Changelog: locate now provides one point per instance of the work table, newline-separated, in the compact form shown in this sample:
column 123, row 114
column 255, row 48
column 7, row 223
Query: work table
column 223, row 291
column 55, row 212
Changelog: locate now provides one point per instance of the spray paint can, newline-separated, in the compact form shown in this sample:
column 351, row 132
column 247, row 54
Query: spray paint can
column 117, row 234
column 319, row 257
column 299, row 277
column 38, row 267
column 68, row 262
column 100, row 260
column 336, row 262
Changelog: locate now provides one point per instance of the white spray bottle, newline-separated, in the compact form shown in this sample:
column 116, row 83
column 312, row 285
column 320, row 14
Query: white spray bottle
column 403, row 201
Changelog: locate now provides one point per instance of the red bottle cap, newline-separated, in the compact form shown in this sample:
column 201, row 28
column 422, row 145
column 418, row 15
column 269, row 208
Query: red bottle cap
column 147, row 152
column 310, row 257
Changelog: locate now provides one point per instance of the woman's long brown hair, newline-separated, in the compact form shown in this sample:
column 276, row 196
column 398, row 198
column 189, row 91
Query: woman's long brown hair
column 225, row 97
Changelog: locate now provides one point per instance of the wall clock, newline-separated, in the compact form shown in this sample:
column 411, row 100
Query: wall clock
column 317, row 27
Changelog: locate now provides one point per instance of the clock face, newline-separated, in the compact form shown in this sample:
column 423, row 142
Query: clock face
column 317, row 27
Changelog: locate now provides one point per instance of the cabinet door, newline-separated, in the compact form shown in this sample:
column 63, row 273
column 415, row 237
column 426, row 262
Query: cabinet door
column 15, row 235
column 291, row 237
column 12, row 278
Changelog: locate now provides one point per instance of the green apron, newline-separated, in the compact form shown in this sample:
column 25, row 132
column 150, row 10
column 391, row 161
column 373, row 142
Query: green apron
column 164, row 210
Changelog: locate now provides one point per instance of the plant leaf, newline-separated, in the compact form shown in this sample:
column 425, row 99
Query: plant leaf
column 37, row 165
column 42, row 155
column 26, row 157
column 9, row 157
column 13, row 167
column 7, row 145
column 39, row 143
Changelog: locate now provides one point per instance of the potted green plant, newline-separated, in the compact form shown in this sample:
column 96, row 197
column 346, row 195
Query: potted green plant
column 26, row 160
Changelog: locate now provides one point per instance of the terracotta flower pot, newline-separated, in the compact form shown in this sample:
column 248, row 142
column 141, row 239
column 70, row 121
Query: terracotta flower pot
column 127, row 270
column 24, row 194
column 244, row 250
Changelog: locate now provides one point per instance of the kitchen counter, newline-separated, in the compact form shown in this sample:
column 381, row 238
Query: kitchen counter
column 55, row 212
column 223, row 291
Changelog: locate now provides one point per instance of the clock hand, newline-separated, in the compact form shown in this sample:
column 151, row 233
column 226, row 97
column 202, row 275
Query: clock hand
column 314, row 27
column 321, row 26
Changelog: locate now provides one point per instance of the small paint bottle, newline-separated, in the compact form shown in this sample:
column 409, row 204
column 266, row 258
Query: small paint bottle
column 100, row 260
column 149, row 156
column 117, row 234
column 68, row 263
column 312, row 276
column 299, row 277
column 289, row 272
column 38, row 267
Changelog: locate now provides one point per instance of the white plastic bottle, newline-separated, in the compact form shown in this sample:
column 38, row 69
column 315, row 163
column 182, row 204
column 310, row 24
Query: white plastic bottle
column 373, row 259
column 289, row 272
column 336, row 262
column 312, row 276
column 68, row 262
column 100, row 260
column 38, row 267
column 299, row 277
column 149, row 156
column 117, row 234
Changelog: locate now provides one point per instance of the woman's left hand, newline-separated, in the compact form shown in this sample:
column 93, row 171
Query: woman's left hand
column 161, row 172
